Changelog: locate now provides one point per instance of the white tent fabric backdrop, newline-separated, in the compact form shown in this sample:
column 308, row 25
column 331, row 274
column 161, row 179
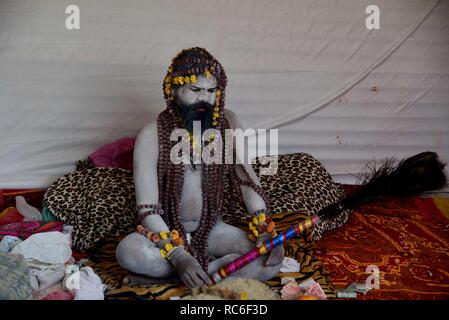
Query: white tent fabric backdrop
column 310, row 68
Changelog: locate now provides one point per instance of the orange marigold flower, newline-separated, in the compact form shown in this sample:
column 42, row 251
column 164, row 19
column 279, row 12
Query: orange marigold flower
column 270, row 227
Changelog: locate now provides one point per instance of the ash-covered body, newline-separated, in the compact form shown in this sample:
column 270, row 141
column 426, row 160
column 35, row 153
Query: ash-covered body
column 224, row 242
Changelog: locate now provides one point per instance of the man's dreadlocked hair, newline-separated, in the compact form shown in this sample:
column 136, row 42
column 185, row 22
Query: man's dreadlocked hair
column 193, row 62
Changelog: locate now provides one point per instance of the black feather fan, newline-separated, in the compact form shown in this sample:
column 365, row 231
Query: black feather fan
column 412, row 176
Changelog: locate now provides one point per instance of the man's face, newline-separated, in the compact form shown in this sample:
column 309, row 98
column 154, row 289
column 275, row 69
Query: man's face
column 195, row 102
column 203, row 90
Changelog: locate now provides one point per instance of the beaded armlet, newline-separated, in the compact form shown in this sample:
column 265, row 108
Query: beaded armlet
column 173, row 237
column 261, row 223
column 149, row 210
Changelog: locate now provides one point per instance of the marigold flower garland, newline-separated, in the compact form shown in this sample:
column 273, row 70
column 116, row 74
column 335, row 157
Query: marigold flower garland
column 261, row 223
column 173, row 237
column 171, row 81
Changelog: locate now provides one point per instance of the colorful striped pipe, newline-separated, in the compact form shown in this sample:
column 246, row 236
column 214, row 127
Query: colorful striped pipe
column 267, row 246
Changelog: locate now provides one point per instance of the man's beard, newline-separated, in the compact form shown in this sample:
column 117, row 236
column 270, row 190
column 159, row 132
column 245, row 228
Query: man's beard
column 200, row 111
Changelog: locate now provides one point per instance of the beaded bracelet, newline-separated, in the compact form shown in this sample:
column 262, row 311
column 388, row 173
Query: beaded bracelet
column 260, row 223
column 151, row 209
column 173, row 237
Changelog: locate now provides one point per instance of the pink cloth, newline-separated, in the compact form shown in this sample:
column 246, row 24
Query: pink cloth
column 25, row 229
column 118, row 154
column 59, row 295
column 10, row 215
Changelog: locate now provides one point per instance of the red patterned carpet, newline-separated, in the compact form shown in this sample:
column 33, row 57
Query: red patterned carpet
column 407, row 240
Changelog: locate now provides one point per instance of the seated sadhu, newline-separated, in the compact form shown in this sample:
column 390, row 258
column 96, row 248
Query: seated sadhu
column 179, row 204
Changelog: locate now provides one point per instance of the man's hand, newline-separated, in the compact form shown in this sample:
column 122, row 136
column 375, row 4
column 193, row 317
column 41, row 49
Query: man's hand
column 276, row 255
column 189, row 270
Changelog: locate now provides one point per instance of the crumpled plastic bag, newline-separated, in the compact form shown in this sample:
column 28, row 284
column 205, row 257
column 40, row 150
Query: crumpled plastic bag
column 48, row 247
column 84, row 285
column 290, row 265
column 29, row 213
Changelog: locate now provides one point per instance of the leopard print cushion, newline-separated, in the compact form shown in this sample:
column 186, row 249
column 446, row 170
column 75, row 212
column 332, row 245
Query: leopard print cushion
column 97, row 202
column 100, row 202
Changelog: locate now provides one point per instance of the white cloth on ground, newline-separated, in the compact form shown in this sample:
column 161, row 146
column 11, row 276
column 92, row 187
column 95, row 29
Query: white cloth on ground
column 43, row 275
column 48, row 247
column 8, row 243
